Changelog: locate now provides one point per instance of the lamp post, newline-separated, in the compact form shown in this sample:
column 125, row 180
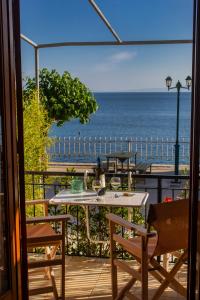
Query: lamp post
column 178, row 86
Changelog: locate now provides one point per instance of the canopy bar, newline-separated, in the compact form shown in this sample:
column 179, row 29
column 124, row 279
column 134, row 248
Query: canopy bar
column 29, row 41
column 104, row 19
column 113, row 43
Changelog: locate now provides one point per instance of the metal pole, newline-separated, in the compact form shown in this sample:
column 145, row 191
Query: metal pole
column 194, row 245
column 37, row 72
column 116, row 43
column 29, row 41
column 101, row 15
column 177, row 146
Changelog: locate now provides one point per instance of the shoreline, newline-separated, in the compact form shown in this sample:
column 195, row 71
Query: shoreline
column 63, row 166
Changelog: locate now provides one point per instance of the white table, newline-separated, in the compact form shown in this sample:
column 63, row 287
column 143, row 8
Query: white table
column 86, row 199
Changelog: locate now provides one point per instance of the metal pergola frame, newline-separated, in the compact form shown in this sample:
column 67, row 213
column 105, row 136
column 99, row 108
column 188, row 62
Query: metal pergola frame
column 117, row 42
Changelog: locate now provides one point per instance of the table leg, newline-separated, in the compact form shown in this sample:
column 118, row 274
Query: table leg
column 130, row 219
column 166, row 258
column 87, row 220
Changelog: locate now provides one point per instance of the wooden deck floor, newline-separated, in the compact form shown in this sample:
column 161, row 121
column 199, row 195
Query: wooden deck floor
column 89, row 278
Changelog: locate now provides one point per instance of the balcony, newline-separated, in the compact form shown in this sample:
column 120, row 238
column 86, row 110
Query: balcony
column 87, row 266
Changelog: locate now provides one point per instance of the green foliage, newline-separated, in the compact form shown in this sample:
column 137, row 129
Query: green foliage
column 64, row 97
column 78, row 243
column 36, row 127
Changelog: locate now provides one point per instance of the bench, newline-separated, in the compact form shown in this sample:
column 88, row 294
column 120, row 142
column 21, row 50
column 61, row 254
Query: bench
column 142, row 168
column 111, row 167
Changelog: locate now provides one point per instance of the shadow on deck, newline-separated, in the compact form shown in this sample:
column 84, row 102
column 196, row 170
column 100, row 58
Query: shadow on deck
column 89, row 278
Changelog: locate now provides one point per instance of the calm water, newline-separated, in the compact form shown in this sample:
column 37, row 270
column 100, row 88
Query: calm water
column 133, row 115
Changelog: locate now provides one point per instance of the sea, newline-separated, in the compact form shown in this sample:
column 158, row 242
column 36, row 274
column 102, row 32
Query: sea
column 133, row 114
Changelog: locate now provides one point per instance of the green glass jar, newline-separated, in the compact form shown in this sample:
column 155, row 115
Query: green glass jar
column 76, row 186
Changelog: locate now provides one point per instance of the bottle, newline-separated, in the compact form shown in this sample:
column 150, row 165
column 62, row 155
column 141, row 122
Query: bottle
column 100, row 175
column 85, row 179
column 98, row 170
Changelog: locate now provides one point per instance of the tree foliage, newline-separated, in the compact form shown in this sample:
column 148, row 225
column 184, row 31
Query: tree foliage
column 36, row 127
column 64, row 97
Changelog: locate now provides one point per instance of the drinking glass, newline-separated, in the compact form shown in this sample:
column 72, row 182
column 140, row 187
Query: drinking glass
column 115, row 182
column 96, row 186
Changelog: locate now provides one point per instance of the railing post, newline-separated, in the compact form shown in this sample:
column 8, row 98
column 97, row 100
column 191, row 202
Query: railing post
column 79, row 146
column 129, row 180
column 64, row 146
column 43, row 184
column 130, row 210
column 84, row 149
column 159, row 200
column 159, row 189
column 141, row 149
column 167, row 150
column 69, row 147
column 59, row 146
column 146, row 155
column 129, row 150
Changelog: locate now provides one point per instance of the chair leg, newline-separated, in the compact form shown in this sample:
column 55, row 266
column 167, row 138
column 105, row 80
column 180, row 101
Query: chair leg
column 166, row 258
column 112, row 258
column 144, row 269
column 63, row 263
column 63, row 278
column 55, row 292
column 126, row 288
column 169, row 278
column 49, row 254
column 114, row 280
column 47, row 271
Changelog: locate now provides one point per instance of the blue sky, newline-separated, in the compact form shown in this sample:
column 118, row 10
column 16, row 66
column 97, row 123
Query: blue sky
column 110, row 68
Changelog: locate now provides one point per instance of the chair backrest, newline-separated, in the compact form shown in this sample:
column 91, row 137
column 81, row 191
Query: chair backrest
column 170, row 220
column 39, row 206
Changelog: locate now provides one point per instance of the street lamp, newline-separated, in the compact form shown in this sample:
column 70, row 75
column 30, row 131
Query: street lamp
column 178, row 86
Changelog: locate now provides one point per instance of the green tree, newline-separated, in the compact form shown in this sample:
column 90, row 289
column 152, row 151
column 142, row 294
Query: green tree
column 64, row 97
column 36, row 127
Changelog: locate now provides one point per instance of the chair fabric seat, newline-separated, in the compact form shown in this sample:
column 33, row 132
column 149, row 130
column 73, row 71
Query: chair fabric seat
column 40, row 231
column 133, row 246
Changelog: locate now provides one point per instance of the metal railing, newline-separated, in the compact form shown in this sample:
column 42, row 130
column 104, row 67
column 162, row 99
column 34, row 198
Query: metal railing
column 157, row 150
column 47, row 184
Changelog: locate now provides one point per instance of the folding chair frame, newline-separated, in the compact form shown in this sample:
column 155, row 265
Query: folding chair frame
column 147, row 263
column 56, row 240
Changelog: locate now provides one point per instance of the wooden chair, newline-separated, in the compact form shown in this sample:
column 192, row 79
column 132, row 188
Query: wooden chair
column 142, row 168
column 170, row 220
column 40, row 234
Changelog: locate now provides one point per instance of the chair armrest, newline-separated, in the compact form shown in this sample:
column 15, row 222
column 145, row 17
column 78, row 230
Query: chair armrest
column 39, row 201
column 46, row 219
column 128, row 225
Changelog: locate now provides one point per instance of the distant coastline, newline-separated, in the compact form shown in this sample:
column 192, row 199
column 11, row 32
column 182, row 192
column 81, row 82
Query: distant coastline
column 141, row 91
